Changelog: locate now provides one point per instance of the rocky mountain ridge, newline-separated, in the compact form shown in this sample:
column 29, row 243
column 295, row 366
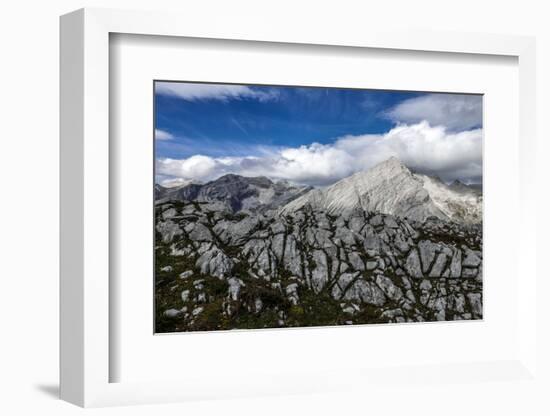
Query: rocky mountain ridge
column 237, row 193
column 391, row 188
column 458, row 202
column 382, row 246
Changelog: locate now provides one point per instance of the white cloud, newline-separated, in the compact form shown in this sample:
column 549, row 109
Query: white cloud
column 456, row 112
column 194, row 167
column 420, row 146
column 433, row 150
column 174, row 182
column 222, row 92
column 163, row 135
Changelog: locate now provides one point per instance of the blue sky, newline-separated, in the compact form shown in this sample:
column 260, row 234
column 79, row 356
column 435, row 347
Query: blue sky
column 297, row 116
column 212, row 129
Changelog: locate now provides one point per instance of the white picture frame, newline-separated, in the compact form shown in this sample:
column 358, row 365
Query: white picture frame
column 85, row 203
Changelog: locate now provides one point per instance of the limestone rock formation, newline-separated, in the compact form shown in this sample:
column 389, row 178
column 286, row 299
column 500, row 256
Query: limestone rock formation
column 219, row 270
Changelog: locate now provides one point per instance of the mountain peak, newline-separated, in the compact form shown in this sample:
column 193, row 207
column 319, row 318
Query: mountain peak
column 458, row 185
column 388, row 168
column 233, row 178
column 392, row 160
column 238, row 193
column 391, row 163
column 228, row 177
column 388, row 187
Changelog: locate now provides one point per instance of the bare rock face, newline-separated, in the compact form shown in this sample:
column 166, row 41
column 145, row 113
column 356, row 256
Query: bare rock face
column 459, row 202
column 391, row 188
column 311, row 267
column 168, row 230
column 472, row 258
column 370, row 191
column 412, row 264
column 214, row 262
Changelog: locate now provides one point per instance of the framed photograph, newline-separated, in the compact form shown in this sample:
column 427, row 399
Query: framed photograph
column 273, row 213
column 279, row 206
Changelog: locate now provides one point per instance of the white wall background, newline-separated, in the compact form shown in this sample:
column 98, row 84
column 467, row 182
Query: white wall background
column 29, row 56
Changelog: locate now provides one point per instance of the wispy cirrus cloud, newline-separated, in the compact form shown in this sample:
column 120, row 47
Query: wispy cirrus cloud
column 420, row 146
column 163, row 135
column 456, row 112
column 222, row 92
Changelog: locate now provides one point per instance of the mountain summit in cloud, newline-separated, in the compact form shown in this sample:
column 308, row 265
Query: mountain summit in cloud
column 391, row 188
column 388, row 188
column 427, row 148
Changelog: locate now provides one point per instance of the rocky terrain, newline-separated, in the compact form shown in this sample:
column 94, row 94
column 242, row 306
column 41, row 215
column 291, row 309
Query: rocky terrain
column 279, row 262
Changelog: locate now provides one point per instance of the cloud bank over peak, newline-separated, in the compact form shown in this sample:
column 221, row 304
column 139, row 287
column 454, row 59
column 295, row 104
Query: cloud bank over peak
column 456, row 112
column 421, row 146
column 221, row 92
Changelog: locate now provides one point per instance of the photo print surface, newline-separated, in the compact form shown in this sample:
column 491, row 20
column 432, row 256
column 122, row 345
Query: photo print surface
column 279, row 206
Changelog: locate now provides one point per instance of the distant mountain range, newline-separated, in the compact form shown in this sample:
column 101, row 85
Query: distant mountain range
column 388, row 188
column 235, row 192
